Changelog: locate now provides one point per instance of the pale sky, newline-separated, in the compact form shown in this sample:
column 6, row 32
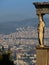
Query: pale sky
column 16, row 10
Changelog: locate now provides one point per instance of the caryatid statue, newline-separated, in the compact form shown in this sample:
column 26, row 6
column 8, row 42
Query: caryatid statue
column 42, row 8
column 40, row 30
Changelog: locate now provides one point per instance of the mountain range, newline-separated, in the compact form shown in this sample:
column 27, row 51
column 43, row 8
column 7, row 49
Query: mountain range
column 10, row 26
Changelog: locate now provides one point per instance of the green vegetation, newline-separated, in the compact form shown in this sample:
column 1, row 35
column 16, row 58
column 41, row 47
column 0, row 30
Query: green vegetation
column 5, row 58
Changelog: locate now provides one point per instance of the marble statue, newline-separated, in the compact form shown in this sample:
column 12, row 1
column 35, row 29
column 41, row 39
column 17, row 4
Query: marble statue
column 40, row 29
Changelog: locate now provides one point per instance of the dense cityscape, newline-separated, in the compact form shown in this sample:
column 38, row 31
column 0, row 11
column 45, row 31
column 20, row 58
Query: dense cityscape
column 22, row 45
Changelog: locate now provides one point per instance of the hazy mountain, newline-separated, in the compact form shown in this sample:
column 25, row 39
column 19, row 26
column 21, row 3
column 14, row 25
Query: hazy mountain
column 10, row 26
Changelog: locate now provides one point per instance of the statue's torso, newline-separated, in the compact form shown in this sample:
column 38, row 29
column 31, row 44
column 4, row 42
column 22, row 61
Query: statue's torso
column 41, row 26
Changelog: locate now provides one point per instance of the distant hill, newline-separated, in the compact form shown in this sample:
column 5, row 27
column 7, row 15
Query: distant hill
column 10, row 26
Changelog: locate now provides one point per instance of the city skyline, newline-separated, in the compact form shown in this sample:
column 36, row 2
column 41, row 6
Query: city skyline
column 16, row 10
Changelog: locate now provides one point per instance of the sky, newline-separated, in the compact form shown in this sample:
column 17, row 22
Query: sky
column 17, row 10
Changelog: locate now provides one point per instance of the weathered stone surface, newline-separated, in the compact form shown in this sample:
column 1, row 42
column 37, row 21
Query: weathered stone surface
column 42, row 55
column 42, row 7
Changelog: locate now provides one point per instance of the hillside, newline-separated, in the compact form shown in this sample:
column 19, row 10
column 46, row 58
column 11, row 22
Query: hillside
column 10, row 26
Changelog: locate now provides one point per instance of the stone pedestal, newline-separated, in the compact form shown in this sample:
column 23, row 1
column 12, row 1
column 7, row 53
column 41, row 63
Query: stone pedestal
column 42, row 55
